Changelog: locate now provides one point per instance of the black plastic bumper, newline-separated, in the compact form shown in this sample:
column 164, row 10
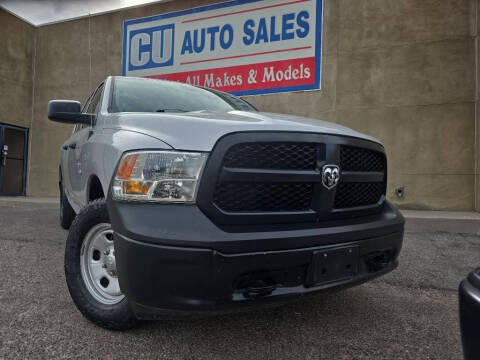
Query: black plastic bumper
column 171, row 259
column 469, row 293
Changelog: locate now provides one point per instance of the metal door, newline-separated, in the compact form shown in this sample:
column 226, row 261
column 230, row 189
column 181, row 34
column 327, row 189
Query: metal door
column 13, row 159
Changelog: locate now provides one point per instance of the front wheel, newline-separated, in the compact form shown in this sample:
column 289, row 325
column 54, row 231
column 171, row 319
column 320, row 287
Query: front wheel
column 90, row 270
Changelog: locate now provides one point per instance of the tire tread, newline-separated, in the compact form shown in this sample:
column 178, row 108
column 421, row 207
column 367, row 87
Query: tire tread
column 113, row 317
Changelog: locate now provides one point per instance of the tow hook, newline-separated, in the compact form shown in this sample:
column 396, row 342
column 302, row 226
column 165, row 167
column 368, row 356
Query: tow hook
column 259, row 289
column 378, row 260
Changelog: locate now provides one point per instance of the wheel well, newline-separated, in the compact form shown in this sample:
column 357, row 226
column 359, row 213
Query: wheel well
column 95, row 189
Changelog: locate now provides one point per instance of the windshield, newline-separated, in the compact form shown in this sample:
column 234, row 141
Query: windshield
column 148, row 95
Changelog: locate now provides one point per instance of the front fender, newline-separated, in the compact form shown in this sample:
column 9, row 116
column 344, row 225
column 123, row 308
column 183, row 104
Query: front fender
column 103, row 151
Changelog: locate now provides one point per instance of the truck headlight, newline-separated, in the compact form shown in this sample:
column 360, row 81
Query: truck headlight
column 164, row 176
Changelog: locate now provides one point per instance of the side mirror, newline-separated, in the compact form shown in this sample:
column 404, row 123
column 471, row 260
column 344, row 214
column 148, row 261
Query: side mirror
column 69, row 112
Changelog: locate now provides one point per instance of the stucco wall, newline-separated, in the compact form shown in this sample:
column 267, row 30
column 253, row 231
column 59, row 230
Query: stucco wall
column 16, row 70
column 17, row 47
column 476, row 32
column 400, row 70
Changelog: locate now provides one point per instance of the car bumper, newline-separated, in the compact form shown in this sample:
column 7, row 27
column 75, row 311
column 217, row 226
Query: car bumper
column 173, row 261
column 469, row 301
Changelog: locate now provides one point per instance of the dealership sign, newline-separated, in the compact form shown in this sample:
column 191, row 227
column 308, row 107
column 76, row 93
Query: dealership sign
column 245, row 47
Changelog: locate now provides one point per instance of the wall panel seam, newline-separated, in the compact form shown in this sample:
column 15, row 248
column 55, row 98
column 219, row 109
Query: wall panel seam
column 30, row 132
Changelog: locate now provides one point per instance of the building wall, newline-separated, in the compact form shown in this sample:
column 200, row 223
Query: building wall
column 16, row 70
column 62, row 69
column 400, row 70
column 476, row 33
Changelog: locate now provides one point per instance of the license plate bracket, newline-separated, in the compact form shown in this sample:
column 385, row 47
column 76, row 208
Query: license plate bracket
column 334, row 265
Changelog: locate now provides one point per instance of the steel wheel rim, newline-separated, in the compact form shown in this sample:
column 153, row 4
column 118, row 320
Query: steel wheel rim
column 98, row 266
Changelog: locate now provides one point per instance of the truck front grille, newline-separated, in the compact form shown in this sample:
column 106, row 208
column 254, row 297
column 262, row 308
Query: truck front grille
column 350, row 195
column 276, row 178
column 272, row 156
column 263, row 196
column 358, row 159
column 354, row 194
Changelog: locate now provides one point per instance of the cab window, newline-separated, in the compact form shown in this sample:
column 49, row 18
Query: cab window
column 91, row 106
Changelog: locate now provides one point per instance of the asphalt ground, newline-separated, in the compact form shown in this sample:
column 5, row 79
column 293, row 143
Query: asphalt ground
column 410, row 313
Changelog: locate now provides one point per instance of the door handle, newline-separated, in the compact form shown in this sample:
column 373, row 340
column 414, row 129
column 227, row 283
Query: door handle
column 4, row 158
column 72, row 145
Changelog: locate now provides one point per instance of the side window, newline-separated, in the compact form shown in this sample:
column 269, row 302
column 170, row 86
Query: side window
column 91, row 106
column 95, row 101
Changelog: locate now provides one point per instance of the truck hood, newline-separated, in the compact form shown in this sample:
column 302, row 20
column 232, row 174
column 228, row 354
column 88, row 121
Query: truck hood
column 200, row 130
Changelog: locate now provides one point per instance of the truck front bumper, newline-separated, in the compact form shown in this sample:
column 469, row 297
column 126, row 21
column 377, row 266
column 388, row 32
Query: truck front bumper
column 172, row 260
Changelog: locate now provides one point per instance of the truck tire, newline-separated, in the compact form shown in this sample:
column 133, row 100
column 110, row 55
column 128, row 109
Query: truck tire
column 67, row 214
column 90, row 270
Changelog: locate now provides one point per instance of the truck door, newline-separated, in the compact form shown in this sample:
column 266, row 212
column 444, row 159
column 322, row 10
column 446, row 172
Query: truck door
column 77, row 157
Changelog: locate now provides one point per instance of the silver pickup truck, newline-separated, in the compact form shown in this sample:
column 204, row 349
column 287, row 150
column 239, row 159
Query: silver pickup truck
column 186, row 200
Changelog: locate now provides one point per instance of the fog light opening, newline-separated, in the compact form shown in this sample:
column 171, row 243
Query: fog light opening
column 379, row 260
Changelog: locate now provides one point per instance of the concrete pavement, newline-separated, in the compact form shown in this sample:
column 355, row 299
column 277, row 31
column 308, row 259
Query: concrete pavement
column 408, row 314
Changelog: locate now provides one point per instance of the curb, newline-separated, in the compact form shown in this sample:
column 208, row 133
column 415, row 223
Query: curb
column 458, row 222
column 445, row 221
column 31, row 200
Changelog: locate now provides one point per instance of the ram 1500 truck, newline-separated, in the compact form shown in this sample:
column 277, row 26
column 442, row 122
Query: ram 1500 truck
column 187, row 200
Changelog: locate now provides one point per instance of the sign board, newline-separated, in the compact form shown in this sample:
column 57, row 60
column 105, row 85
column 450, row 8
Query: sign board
column 244, row 47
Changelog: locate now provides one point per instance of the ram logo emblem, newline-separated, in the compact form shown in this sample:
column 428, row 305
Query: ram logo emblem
column 330, row 176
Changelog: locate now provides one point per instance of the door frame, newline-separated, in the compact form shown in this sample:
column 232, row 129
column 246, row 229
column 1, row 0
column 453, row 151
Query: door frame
column 3, row 126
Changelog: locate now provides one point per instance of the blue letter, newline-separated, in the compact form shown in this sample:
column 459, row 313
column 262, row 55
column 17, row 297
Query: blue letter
column 249, row 34
column 303, row 24
column 212, row 31
column 286, row 25
column 187, row 43
column 262, row 33
column 273, row 36
column 226, row 28
column 198, row 48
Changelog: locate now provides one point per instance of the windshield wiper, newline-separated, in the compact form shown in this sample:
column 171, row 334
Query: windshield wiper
column 173, row 110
